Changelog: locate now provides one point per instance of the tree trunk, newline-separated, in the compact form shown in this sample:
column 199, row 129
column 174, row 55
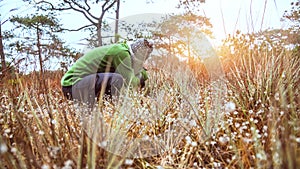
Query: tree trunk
column 100, row 20
column 39, row 51
column 3, row 63
column 117, row 22
column 99, row 29
column 99, row 33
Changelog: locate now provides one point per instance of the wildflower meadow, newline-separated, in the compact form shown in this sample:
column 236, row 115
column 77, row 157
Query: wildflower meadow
column 256, row 125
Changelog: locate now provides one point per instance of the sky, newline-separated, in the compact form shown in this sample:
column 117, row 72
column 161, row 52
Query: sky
column 227, row 16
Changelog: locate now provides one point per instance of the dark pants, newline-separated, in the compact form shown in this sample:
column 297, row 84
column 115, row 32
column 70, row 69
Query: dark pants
column 108, row 84
column 94, row 86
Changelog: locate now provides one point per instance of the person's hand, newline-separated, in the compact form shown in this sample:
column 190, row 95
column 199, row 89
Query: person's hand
column 143, row 76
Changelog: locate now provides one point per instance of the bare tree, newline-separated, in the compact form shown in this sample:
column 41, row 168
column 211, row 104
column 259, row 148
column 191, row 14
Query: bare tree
column 83, row 7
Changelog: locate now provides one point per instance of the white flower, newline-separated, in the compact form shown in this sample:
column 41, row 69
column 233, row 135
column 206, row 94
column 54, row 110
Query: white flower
column 45, row 166
column 174, row 151
column 216, row 164
column 247, row 140
column 261, row 156
column 277, row 96
column 146, row 137
column 213, row 142
column 194, row 144
column 68, row 164
column 265, row 128
column 128, row 161
column 223, row 140
column 193, row 123
column 7, row 131
column 103, row 144
column 3, row 148
column 229, row 107
column 54, row 151
column 13, row 150
column 53, row 121
column 260, row 111
column 188, row 139
column 41, row 132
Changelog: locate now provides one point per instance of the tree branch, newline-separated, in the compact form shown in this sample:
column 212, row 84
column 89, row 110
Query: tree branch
column 52, row 6
column 82, row 10
column 105, row 9
column 86, row 3
column 78, row 29
column 88, row 10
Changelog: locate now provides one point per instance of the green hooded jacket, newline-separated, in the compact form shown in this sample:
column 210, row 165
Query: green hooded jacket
column 112, row 58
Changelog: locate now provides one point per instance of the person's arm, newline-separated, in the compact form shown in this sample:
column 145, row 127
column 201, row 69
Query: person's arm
column 123, row 65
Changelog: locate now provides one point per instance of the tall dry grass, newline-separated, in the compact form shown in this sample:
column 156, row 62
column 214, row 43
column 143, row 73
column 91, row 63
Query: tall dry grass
column 259, row 127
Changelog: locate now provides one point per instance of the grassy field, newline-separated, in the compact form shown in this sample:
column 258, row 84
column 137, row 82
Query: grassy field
column 252, row 123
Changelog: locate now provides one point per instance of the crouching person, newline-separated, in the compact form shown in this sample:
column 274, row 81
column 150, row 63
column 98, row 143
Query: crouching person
column 105, row 70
